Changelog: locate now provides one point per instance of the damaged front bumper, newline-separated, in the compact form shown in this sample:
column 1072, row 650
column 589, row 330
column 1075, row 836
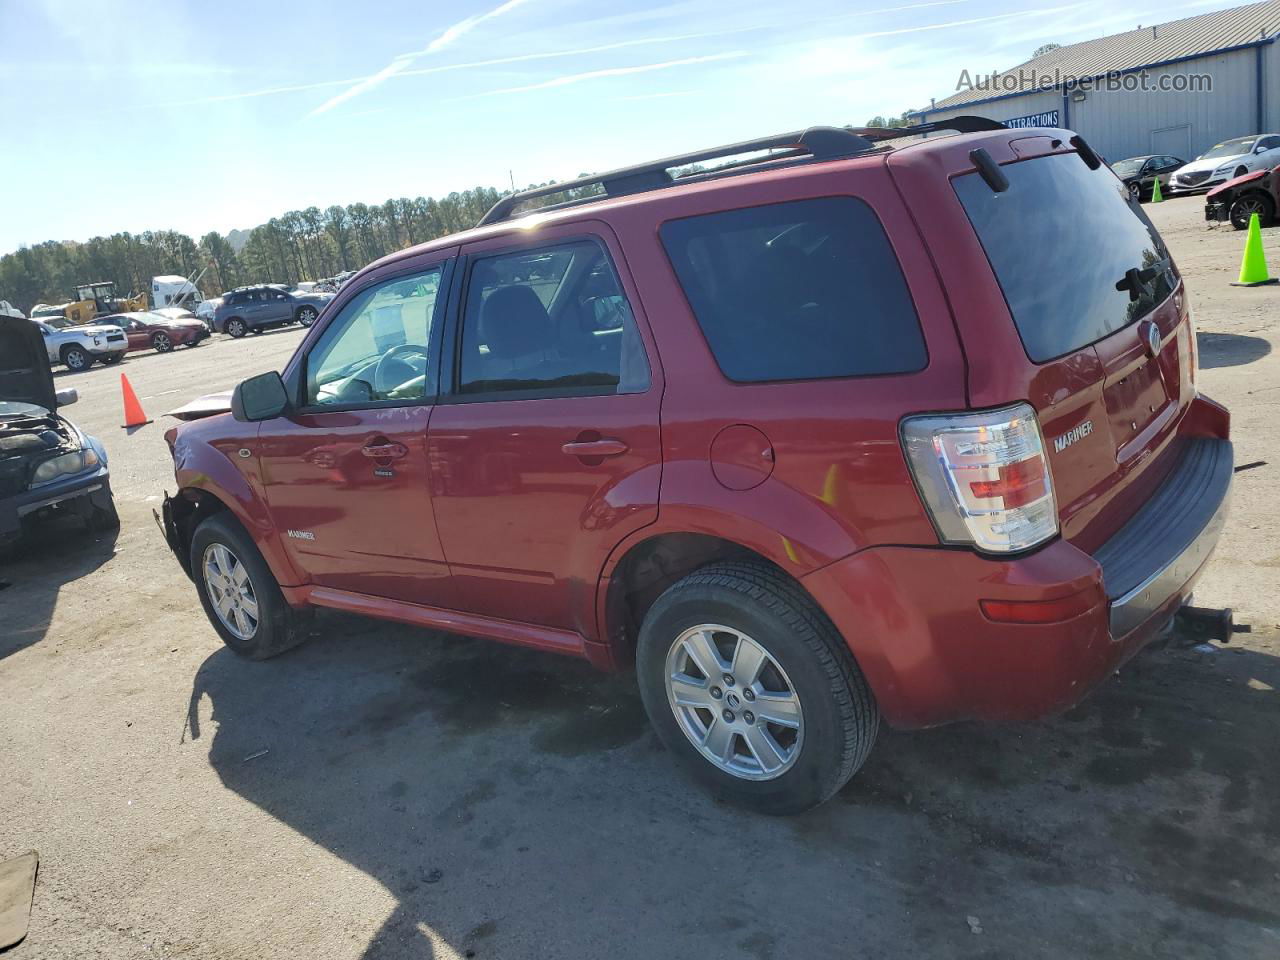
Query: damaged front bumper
column 79, row 494
column 167, row 521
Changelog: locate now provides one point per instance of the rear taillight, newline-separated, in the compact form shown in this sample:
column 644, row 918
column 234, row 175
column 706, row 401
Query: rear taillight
column 984, row 477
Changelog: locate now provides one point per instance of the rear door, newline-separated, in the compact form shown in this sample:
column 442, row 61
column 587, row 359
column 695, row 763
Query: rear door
column 1085, row 320
column 545, row 450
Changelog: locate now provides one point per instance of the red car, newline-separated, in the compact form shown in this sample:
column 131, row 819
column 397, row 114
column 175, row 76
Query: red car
column 832, row 434
column 153, row 331
column 1237, row 200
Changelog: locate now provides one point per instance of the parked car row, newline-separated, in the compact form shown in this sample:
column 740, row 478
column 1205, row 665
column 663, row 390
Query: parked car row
column 1222, row 162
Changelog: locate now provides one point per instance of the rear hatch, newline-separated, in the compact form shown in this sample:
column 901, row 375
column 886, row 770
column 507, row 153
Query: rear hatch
column 1069, row 301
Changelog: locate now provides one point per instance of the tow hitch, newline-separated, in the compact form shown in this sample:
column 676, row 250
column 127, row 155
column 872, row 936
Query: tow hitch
column 1210, row 623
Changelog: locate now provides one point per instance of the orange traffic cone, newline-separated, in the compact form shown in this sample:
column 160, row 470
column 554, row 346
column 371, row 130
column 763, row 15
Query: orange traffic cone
column 133, row 415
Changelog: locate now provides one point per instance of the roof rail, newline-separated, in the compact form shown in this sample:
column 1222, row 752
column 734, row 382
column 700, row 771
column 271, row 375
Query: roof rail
column 958, row 124
column 812, row 145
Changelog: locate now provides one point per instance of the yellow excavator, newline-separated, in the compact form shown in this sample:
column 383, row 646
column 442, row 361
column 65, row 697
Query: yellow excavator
column 99, row 299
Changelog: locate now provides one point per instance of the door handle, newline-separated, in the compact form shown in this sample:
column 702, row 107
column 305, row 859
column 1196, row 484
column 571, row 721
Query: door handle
column 385, row 451
column 605, row 447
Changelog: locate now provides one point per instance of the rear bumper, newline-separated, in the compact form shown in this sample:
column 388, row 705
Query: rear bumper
column 911, row 616
column 1163, row 546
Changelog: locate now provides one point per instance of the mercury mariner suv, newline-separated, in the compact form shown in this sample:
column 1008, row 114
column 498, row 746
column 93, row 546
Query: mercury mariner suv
column 831, row 433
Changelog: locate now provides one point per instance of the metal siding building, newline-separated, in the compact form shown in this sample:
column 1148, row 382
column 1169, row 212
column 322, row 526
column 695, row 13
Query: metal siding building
column 1236, row 48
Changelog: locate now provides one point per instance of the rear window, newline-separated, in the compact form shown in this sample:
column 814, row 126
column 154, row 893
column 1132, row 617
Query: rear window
column 1060, row 239
column 803, row 290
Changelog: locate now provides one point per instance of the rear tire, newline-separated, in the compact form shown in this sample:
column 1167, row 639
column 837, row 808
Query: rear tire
column 76, row 358
column 162, row 343
column 239, row 595
column 235, row 328
column 833, row 710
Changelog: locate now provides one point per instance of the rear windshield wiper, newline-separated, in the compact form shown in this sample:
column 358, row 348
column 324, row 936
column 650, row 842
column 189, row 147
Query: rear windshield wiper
column 1137, row 280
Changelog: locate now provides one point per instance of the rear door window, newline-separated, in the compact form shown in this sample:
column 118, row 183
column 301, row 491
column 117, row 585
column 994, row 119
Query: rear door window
column 803, row 290
column 549, row 321
column 1065, row 242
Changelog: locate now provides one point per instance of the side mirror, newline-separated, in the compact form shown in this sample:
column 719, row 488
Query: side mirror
column 1259, row 149
column 260, row 398
column 67, row 396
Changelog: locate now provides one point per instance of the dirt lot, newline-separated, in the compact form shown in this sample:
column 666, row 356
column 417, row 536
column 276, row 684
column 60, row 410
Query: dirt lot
column 428, row 795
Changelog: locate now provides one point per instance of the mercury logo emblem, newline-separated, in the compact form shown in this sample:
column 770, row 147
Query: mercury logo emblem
column 1151, row 333
column 1078, row 432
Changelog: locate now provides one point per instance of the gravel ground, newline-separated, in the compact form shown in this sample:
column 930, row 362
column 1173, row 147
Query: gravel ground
column 386, row 792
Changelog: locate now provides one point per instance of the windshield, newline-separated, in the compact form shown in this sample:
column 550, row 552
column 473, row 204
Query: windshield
column 1127, row 168
column 1229, row 148
column 1068, row 280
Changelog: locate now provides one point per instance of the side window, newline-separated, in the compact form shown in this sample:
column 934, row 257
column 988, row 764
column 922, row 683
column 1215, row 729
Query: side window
column 550, row 322
column 378, row 349
column 804, row 290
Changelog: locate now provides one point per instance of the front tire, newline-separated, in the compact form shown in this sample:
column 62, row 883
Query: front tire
column 104, row 518
column 750, row 686
column 239, row 595
column 76, row 358
column 1242, row 208
column 307, row 316
column 236, row 328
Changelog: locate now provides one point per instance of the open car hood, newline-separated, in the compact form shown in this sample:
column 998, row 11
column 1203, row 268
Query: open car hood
column 25, row 375
column 207, row 406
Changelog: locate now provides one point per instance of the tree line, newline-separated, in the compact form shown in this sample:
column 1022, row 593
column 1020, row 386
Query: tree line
column 299, row 245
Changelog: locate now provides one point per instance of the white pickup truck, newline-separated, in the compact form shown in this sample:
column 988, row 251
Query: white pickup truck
column 77, row 347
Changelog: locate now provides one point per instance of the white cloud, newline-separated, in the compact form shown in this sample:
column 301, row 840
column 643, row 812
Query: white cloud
column 401, row 63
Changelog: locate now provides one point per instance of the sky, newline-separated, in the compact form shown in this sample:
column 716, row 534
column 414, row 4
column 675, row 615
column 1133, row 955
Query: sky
column 196, row 116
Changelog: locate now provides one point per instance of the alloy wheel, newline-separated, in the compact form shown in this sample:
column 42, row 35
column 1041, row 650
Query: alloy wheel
column 1245, row 208
column 734, row 702
column 162, row 343
column 230, row 591
column 306, row 316
column 1135, row 192
column 76, row 360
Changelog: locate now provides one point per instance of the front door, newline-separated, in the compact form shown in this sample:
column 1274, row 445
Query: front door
column 545, row 452
column 345, row 473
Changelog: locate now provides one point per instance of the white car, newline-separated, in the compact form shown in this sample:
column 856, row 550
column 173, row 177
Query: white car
column 77, row 347
column 1226, row 161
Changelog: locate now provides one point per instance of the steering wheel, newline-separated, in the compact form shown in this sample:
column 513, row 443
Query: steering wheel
column 385, row 366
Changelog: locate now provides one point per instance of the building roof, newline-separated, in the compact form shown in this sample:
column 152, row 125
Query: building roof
column 1176, row 40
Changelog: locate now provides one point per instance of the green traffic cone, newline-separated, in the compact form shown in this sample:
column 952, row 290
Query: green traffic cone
column 1253, row 268
column 1156, row 196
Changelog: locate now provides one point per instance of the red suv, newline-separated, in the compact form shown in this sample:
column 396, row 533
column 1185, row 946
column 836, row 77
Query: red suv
column 832, row 433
